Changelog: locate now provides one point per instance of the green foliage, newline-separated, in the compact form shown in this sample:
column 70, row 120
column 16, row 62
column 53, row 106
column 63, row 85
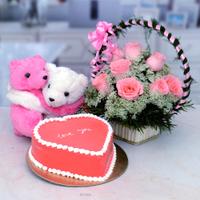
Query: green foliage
column 92, row 97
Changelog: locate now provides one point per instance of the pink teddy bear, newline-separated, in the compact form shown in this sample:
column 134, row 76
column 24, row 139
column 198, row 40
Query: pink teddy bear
column 30, row 76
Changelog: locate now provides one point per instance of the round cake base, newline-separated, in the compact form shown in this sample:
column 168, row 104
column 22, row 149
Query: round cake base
column 119, row 169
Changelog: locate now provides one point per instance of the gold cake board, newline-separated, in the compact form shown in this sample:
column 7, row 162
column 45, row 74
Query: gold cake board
column 120, row 167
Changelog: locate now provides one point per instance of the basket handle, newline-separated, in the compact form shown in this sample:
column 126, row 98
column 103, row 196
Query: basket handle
column 154, row 25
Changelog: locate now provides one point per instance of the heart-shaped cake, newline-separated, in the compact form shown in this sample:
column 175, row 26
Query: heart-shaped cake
column 77, row 146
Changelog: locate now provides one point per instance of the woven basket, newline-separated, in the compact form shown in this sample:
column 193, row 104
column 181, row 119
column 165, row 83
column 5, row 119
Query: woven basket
column 129, row 134
column 132, row 136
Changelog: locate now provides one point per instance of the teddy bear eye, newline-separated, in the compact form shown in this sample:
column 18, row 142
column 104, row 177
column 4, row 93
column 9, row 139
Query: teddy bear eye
column 66, row 94
column 49, row 86
column 27, row 75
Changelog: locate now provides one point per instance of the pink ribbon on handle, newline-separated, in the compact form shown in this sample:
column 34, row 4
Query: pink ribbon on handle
column 100, row 36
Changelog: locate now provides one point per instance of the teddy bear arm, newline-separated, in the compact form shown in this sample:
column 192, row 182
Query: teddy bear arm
column 25, row 99
column 24, row 120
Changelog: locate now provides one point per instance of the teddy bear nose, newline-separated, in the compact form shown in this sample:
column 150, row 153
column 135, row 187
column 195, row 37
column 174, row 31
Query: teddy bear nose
column 51, row 99
column 45, row 77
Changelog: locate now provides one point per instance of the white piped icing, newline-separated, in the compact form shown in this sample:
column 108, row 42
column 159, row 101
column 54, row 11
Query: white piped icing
column 76, row 176
column 69, row 148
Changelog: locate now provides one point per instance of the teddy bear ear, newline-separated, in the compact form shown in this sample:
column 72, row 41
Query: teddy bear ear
column 38, row 59
column 83, row 80
column 14, row 64
column 50, row 67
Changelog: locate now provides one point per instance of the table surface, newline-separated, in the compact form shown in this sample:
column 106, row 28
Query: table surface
column 12, row 50
column 167, row 168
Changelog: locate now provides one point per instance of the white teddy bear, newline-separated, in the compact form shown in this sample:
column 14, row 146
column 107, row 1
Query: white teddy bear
column 64, row 86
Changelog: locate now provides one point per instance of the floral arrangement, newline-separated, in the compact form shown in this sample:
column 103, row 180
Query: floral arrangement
column 130, row 85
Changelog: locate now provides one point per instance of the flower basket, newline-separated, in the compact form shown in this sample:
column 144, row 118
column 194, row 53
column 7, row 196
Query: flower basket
column 133, row 87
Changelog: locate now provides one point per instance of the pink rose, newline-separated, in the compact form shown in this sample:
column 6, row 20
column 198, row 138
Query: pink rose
column 117, row 54
column 100, row 83
column 109, row 50
column 160, row 85
column 112, row 52
column 129, row 88
column 119, row 67
column 175, row 85
column 156, row 61
column 132, row 50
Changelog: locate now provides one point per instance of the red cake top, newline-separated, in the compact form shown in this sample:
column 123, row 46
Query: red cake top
column 84, row 133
